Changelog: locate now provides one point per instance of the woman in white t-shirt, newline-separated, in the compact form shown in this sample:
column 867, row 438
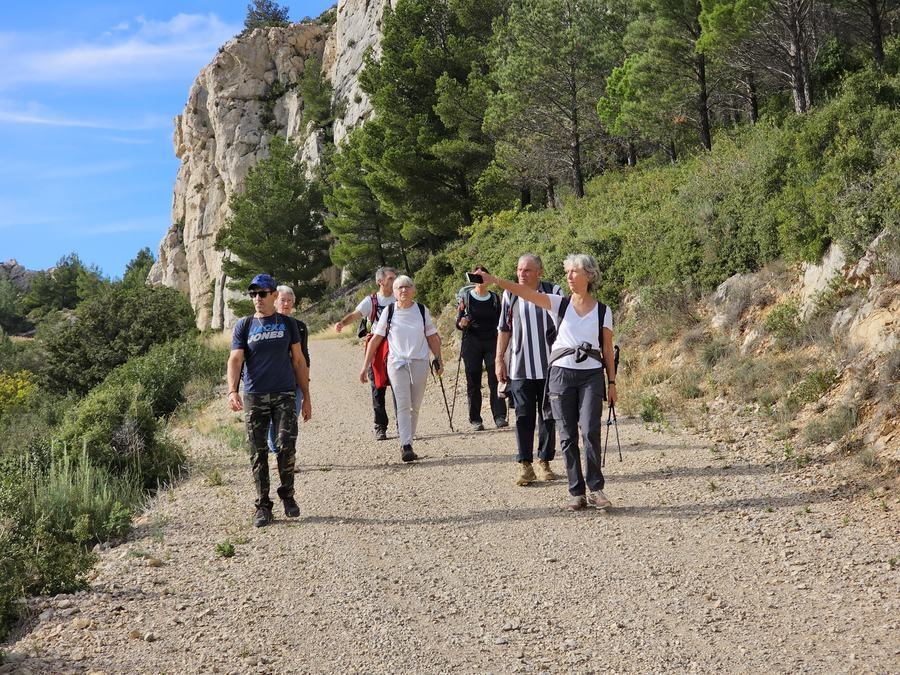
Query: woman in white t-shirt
column 410, row 334
column 584, row 342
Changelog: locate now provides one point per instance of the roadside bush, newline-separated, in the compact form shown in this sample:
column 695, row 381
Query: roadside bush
column 714, row 351
column 117, row 422
column 111, row 329
column 16, row 391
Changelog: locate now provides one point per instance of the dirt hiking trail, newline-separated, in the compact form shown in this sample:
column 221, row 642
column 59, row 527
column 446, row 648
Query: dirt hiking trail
column 707, row 562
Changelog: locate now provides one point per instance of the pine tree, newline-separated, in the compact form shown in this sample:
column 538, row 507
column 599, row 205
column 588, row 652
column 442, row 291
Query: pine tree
column 137, row 270
column 365, row 236
column 549, row 63
column 276, row 225
column 265, row 13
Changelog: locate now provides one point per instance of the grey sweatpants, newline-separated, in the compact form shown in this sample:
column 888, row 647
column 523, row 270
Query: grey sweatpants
column 408, row 380
column 576, row 397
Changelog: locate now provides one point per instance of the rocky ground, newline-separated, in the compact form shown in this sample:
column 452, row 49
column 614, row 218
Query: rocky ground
column 712, row 559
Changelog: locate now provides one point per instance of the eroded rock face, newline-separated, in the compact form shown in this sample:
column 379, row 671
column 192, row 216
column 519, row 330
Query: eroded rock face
column 17, row 275
column 238, row 102
column 358, row 27
column 243, row 97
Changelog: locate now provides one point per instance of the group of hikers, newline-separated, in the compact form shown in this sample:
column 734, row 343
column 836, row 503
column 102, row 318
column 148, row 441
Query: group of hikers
column 548, row 354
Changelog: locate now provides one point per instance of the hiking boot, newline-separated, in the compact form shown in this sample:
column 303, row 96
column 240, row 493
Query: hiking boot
column 262, row 517
column 501, row 422
column 291, row 510
column 525, row 474
column 544, row 472
column 380, row 434
column 477, row 426
column 408, row 455
column 598, row 500
column 576, row 503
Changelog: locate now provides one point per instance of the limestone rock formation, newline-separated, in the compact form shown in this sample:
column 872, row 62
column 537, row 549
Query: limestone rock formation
column 237, row 103
column 17, row 275
column 358, row 28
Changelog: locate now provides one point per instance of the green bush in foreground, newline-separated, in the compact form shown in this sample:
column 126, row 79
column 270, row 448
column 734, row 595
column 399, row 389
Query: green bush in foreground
column 117, row 423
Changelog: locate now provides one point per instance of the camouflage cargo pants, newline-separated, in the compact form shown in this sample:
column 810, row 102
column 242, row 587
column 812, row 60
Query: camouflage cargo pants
column 259, row 411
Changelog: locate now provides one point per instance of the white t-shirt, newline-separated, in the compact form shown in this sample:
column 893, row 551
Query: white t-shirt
column 406, row 339
column 365, row 305
column 575, row 330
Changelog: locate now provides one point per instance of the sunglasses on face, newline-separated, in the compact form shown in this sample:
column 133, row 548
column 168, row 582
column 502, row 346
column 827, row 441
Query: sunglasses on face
column 261, row 294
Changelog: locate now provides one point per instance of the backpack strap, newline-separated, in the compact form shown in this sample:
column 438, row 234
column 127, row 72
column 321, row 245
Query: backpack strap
column 560, row 315
column 244, row 332
column 390, row 316
column 374, row 299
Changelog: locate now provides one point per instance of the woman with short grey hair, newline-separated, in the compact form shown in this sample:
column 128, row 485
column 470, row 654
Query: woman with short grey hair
column 583, row 345
column 410, row 332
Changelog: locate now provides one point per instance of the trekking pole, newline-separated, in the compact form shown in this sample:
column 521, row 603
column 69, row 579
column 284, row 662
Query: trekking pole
column 440, row 379
column 456, row 382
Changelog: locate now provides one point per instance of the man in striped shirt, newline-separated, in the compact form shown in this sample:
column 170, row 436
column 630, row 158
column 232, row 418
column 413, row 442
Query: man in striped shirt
column 523, row 330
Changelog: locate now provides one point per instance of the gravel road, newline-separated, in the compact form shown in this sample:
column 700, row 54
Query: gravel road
column 708, row 562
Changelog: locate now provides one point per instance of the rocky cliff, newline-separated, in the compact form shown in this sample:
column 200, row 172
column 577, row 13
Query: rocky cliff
column 244, row 97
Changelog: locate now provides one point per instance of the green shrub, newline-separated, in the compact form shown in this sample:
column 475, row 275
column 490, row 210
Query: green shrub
column 109, row 330
column 651, row 408
column 225, row 549
column 783, row 321
column 73, row 495
column 811, row 387
column 117, row 422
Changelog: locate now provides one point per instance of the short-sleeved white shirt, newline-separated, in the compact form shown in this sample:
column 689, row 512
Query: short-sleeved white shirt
column 365, row 305
column 407, row 337
column 575, row 330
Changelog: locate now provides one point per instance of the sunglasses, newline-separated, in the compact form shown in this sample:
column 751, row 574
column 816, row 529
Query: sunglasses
column 261, row 294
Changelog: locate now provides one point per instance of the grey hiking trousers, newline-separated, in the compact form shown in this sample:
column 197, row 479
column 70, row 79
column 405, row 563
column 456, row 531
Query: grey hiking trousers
column 576, row 398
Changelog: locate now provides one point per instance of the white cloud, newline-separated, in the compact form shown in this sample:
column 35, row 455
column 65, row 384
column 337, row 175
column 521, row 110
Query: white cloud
column 38, row 115
column 148, row 50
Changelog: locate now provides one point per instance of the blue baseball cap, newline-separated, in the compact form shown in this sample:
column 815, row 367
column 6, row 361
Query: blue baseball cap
column 263, row 281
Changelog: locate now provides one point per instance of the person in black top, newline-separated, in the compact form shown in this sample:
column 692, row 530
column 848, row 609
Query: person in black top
column 477, row 318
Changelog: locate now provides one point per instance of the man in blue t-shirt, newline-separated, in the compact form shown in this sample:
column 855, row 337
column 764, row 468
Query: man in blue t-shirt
column 266, row 346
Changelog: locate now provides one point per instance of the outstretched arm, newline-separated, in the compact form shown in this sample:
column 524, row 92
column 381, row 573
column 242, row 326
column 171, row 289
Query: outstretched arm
column 524, row 292
column 351, row 317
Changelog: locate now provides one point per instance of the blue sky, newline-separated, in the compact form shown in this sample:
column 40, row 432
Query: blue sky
column 88, row 91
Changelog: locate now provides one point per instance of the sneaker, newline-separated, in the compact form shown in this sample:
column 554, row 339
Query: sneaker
column 291, row 510
column 408, row 455
column 576, row 503
column 598, row 500
column 544, row 472
column 525, row 474
column 501, row 422
column 380, row 434
column 477, row 426
column 262, row 517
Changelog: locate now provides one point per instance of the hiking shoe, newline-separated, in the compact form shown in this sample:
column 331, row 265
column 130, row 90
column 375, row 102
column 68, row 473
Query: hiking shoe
column 291, row 510
column 525, row 474
column 408, row 455
column 544, row 472
column 576, row 503
column 598, row 500
column 380, row 434
column 262, row 517
column 501, row 422
column 477, row 426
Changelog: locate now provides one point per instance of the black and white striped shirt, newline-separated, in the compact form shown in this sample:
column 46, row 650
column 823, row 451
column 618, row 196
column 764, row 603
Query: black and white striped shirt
column 528, row 345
